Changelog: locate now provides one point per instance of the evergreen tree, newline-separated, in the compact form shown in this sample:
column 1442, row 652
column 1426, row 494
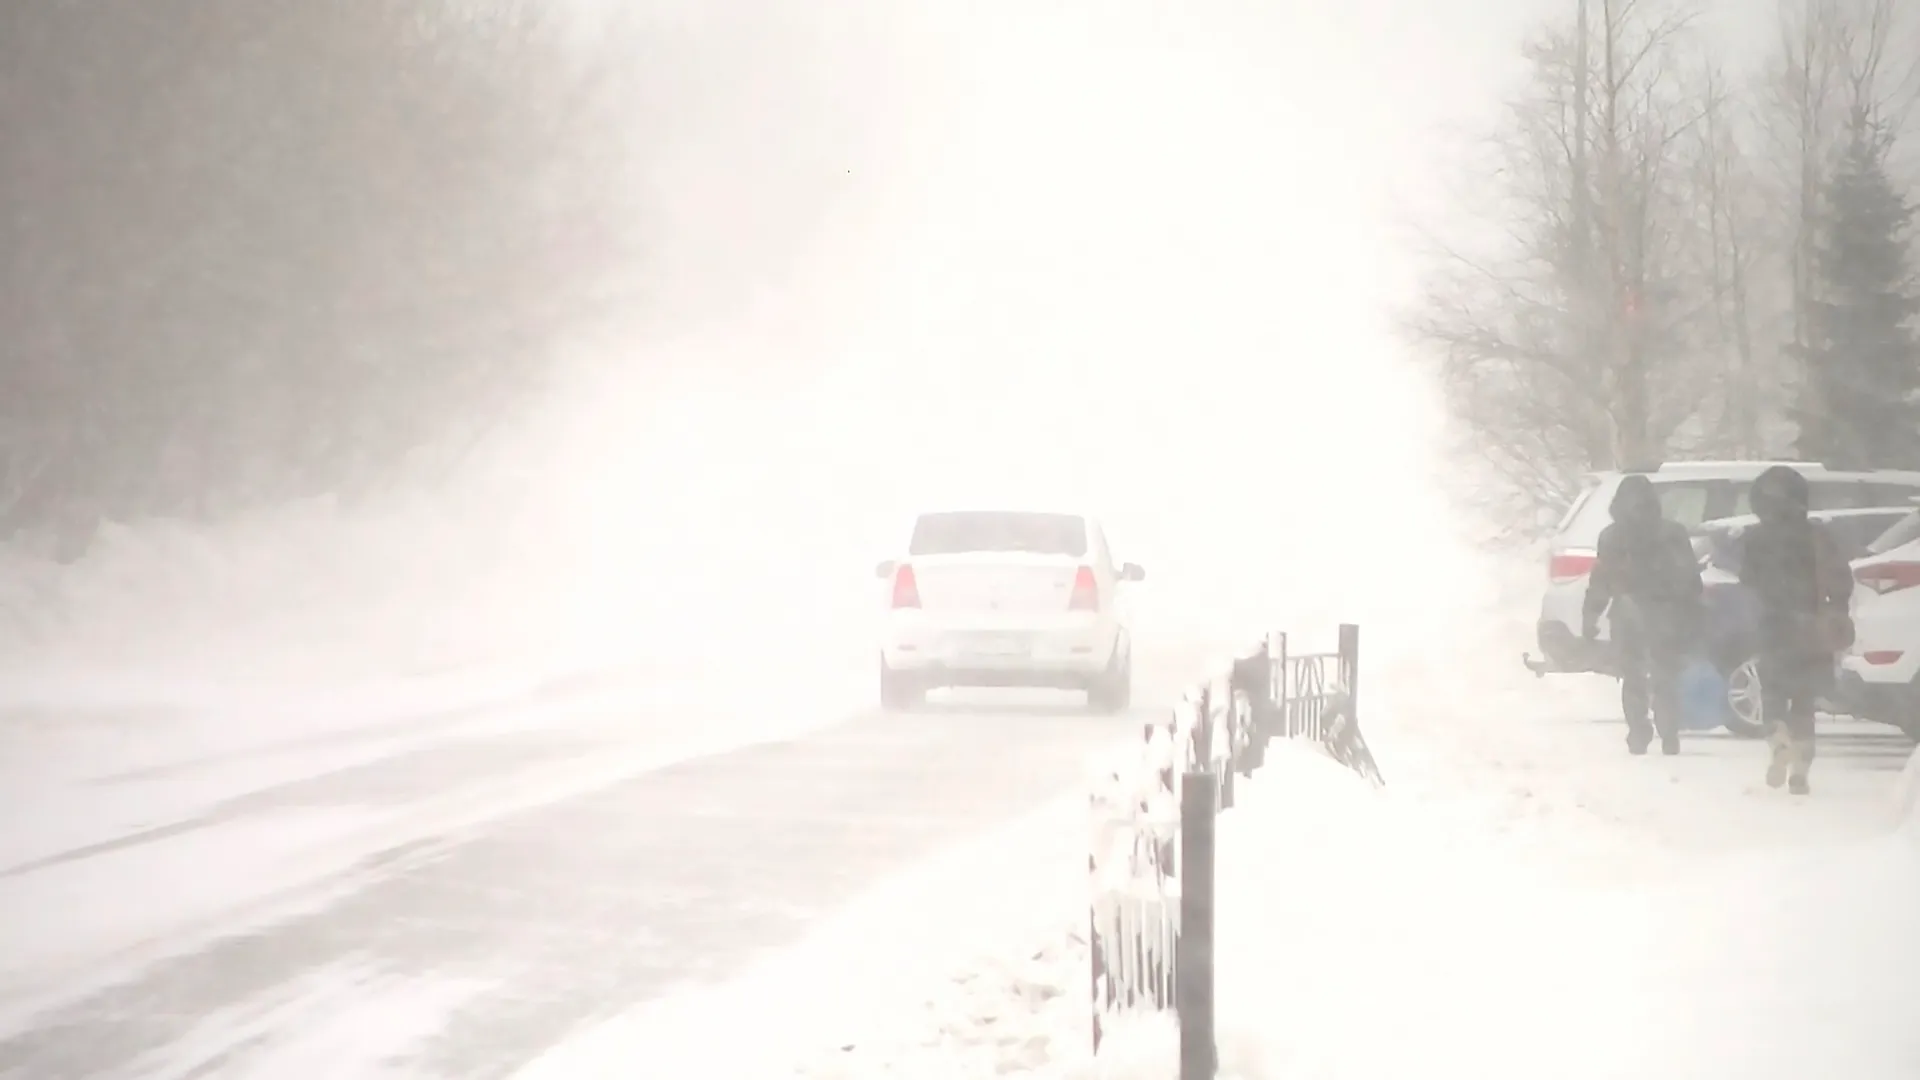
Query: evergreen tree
column 1860, row 398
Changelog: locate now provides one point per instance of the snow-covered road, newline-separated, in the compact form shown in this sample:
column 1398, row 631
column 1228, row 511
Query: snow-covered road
column 462, row 893
column 576, row 883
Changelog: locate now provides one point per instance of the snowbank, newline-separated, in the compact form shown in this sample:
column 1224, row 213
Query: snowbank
column 1362, row 936
column 1367, row 940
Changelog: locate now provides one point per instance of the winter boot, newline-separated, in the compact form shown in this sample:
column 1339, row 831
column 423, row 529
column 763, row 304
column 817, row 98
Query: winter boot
column 1638, row 739
column 1781, row 747
column 1800, row 758
column 1670, row 744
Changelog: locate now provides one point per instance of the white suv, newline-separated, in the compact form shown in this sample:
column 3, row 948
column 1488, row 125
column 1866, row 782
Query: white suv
column 1880, row 675
column 1007, row 598
column 1691, row 492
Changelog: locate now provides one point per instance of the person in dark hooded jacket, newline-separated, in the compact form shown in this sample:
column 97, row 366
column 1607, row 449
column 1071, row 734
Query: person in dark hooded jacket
column 1646, row 580
column 1804, row 587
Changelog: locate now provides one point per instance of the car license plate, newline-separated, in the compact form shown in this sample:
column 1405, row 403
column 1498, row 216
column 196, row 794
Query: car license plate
column 999, row 646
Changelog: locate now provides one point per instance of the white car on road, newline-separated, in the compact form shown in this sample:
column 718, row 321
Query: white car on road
column 1006, row 598
column 1880, row 674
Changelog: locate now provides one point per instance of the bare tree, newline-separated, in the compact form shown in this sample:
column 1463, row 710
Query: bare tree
column 1566, row 335
column 1735, row 209
column 260, row 249
column 1835, row 58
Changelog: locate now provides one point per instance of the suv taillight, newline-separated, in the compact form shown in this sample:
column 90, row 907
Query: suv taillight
column 1569, row 566
column 1086, row 591
column 1884, row 578
column 906, row 588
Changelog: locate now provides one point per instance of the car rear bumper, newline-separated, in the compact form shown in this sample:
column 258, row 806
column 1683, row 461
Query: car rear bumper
column 1003, row 655
column 1564, row 652
column 1883, row 702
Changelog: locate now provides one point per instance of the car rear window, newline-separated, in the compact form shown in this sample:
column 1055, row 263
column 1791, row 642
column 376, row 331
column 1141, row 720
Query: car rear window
column 1855, row 534
column 1840, row 495
column 1579, row 503
column 1903, row 532
column 963, row 532
column 1688, row 502
column 1885, row 493
column 1684, row 502
column 1588, row 516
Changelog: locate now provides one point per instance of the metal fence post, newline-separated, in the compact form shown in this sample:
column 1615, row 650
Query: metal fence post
column 1231, row 716
column 1350, row 668
column 1253, row 680
column 1284, row 690
column 1203, row 731
column 1096, row 948
column 1193, row 960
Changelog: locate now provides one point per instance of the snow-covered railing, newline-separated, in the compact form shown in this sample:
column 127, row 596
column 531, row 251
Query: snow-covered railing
column 1150, row 856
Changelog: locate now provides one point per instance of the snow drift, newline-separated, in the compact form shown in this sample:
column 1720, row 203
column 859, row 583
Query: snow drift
column 1359, row 939
column 1366, row 933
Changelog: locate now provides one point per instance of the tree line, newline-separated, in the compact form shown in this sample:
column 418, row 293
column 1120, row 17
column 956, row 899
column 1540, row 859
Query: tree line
column 261, row 249
column 1666, row 253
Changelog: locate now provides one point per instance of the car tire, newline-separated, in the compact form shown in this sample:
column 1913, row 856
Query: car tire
column 1112, row 692
column 900, row 692
column 1745, row 716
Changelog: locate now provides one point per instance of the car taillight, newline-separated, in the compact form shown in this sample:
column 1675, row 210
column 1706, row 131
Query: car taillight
column 906, row 588
column 1884, row 578
column 1569, row 566
column 1086, row 591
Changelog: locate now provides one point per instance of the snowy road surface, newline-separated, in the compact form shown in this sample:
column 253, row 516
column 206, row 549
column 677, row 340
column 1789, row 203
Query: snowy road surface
column 467, row 950
column 468, row 894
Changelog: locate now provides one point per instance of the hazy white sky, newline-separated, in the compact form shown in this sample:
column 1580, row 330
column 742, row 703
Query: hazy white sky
column 1130, row 256
column 1126, row 256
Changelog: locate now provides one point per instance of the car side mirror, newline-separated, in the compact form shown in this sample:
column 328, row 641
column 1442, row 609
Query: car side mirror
column 885, row 570
column 1132, row 572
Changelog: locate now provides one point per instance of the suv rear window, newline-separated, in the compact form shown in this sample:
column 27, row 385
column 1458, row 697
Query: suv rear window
column 963, row 532
column 1904, row 532
column 1854, row 534
column 1688, row 502
column 1841, row 495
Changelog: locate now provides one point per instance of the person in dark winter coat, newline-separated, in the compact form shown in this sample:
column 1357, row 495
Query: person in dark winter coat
column 1804, row 587
column 1646, row 580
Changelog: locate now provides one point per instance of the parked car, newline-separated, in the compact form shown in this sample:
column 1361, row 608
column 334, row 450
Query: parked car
column 1853, row 532
column 1692, row 493
column 1880, row 674
column 1899, row 534
column 1732, row 636
column 1007, row 599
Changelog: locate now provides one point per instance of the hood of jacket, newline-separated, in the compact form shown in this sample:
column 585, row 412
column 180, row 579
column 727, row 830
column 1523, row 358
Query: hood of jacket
column 1634, row 501
column 1780, row 495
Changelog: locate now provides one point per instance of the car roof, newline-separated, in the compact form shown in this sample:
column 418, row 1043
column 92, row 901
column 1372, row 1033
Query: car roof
column 1053, row 511
column 1750, row 470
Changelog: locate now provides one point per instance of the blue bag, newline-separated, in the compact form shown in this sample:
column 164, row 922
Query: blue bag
column 1703, row 696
